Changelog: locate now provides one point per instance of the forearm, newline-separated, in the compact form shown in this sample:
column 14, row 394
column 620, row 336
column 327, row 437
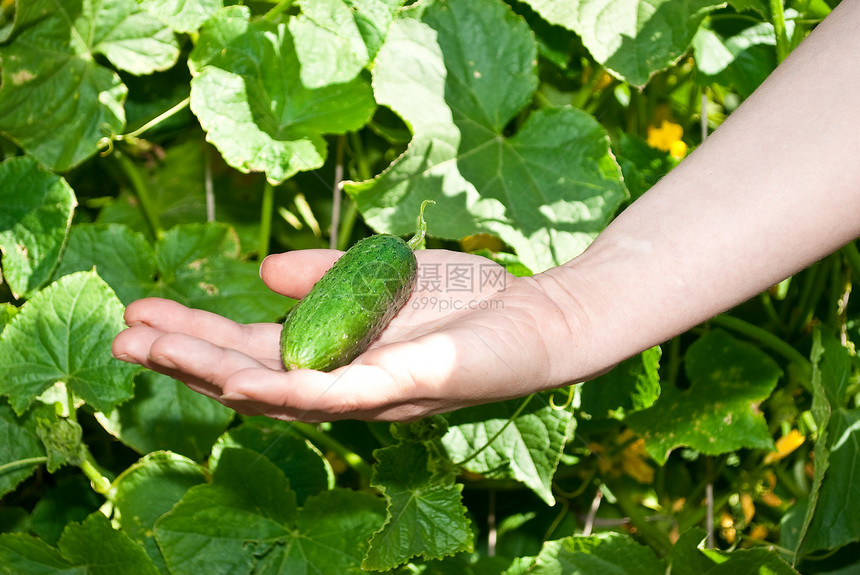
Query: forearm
column 774, row 189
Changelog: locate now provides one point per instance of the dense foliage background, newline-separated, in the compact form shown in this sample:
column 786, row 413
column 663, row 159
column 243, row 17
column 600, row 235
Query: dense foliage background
column 163, row 147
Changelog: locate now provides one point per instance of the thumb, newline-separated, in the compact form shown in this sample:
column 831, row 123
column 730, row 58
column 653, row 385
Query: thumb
column 294, row 273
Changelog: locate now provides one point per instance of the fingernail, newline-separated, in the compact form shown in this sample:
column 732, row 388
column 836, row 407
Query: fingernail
column 162, row 361
column 235, row 396
column 260, row 269
column 124, row 357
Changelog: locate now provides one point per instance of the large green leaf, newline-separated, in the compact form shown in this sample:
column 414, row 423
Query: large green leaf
column 742, row 61
column 304, row 466
column 35, row 219
column 177, row 193
column 719, row 412
column 426, row 517
column 833, row 510
column 165, row 415
column 56, row 100
column 182, row 15
column 547, row 190
column 7, row 312
column 92, row 547
column 690, row 557
column 248, row 94
column 149, row 489
column 633, row 385
column 64, row 334
column 336, row 39
column 70, row 499
column 527, row 448
column 128, row 266
column 198, row 265
column 247, row 521
column 633, row 38
column 603, row 554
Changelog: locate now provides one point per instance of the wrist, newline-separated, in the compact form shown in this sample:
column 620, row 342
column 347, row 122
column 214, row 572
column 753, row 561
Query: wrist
column 574, row 338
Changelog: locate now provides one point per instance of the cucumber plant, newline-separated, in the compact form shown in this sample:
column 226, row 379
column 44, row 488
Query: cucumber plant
column 193, row 124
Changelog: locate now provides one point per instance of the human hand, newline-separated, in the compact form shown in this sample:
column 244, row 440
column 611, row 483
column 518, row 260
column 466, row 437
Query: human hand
column 470, row 333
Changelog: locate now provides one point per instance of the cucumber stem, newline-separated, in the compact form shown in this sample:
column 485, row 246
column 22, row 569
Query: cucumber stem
column 417, row 242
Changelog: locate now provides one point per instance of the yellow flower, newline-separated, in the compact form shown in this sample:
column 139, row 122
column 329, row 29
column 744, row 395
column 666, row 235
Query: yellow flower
column 727, row 527
column 748, row 507
column 481, row 241
column 759, row 532
column 784, row 446
column 667, row 137
column 678, row 149
column 632, row 460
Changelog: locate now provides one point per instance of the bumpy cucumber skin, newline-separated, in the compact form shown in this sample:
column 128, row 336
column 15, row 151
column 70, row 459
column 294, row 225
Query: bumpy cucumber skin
column 350, row 305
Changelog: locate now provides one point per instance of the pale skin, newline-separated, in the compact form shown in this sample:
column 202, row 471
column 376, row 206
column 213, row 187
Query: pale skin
column 773, row 190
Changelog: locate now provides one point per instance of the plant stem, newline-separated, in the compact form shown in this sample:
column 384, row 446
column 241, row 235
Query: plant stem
column 673, row 365
column 649, row 532
column 336, row 194
column 266, row 220
column 765, row 338
column 700, row 513
column 22, row 463
column 810, row 290
column 70, row 400
column 852, row 256
column 156, row 120
column 207, row 185
column 777, row 15
column 351, row 458
column 709, row 502
column 141, row 192
column 770, row 311
column 100, row 483
column 787, row 482
column 347, row 223
column 278, row 9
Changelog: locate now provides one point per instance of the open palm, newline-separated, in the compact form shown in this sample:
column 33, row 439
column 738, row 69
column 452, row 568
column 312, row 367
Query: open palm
column 470, row 333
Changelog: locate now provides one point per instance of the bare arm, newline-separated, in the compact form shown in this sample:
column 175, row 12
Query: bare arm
column 774, row 189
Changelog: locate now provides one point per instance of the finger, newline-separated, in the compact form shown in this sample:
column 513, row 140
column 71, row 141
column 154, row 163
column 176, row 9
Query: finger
column 132, row 345
column 358, row 392
column 383, row 389
column 201, row 365
column 167, row 316
column 294, row 273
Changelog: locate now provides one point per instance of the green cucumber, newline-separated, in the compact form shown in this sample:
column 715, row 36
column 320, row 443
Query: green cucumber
column 352, row 303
